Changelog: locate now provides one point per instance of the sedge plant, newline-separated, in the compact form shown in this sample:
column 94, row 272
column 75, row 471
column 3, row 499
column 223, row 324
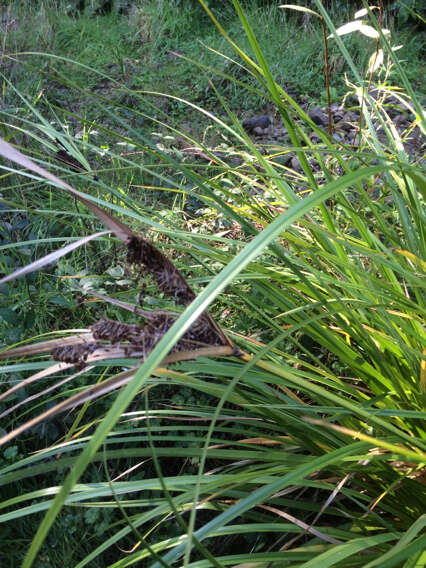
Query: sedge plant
column 295, row 440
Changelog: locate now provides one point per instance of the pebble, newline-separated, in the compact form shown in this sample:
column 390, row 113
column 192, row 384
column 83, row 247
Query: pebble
column 317, row 116
column 295, row 164
column 254, row 122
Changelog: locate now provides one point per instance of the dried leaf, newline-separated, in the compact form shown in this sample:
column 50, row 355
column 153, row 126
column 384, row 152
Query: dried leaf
column 108, row 386
column 375, row 61
column 358, row 26
column 49, row 258
column 300, row 9
column 46, row 390
column 76, row 400
column 347, row 28
column 364, row 11
column 371, row 32
column 44, row 346
column 120, row 230
column 37, row 376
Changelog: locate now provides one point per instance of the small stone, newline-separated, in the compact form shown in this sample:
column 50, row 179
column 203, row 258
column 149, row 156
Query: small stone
column 295, row 164
column 317, row 116
column 262, row 122
column 258, row 130
column 337, row 111
column 401, row 122
column 342, row 125
column 351, row 116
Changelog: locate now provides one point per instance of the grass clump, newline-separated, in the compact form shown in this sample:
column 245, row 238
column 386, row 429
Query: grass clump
column 283, row 427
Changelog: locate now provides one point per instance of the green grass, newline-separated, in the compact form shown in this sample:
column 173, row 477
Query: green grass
column 137, row 50
column 305, row 448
